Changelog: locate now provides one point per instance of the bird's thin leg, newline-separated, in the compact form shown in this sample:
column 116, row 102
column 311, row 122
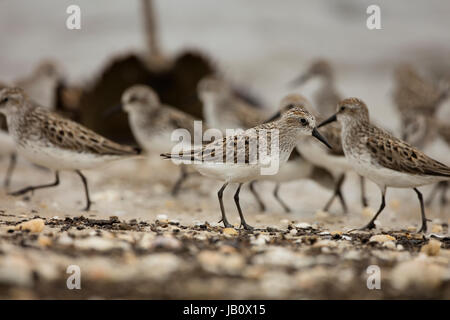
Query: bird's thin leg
column 280, row 201
column 423, row 228
column 32, row 188
column 236, row 200
column 177, row 186
column 261, row 204
column 222, row 209
column 342, row 200
column 9, row 171
column 337, row 190
column 362, row 182
column 371, row 224
column 433, row 193
column 86, row 190
column 444, row 193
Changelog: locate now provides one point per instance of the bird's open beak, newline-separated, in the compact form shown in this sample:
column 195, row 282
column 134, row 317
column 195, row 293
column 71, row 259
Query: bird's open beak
column 274, row 117
column 316, row 134
column 112, row 110
column 329, row 120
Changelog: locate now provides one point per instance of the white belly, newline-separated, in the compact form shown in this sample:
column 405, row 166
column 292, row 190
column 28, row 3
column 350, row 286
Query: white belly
column 385, row 177
column 292, row 170
column 59, row 159
column 229, row 172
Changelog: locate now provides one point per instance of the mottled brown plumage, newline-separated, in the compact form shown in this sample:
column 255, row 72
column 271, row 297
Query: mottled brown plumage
column 383, row 158
column 393, row 153
column 63, row 133
column 49, row 140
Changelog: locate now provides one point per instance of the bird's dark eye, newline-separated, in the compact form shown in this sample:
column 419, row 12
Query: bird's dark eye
column 343, row 108
column 4, row 100
column 133, row 99
column 304, row 121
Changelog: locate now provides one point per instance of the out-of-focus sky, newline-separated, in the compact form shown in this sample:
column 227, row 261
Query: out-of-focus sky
column 262, row 43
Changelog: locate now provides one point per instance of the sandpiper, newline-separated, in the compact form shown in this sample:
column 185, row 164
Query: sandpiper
column 242, row 157
column 325, row 99
column 417, row 100
column 153, row 123
column 383, row 158
column 51, row 141
column 304, row 167
column 222, row 109
column 330, row 159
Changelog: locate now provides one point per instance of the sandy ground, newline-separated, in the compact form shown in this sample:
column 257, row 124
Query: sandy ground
column 139, row 242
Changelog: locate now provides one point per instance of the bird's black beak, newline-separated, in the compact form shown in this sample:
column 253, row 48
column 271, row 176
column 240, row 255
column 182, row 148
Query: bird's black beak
column 329, row 120
column 299, row 80
column 316, row 134
column 272, row 118
column 112, row 110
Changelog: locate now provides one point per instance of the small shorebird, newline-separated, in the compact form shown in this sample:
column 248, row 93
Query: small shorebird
column 41, row 86
column 153, row 123
column 242, row 157
column 330, row 159
column 383, row 158
column 417, row 100
column 222, row 109
column 325, row 99
column 301, row 166
column 51, row 141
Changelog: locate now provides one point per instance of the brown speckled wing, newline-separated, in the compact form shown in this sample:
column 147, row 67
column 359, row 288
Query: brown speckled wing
column 241, row 148
column 69, row 135
column 396, row 154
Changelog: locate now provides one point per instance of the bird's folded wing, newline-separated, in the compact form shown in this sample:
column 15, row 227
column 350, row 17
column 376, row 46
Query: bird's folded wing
column 395, row 154
column 237, row 149
column 69, row 135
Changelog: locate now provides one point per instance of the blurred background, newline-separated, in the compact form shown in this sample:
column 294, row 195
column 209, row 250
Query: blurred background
column 260, row 46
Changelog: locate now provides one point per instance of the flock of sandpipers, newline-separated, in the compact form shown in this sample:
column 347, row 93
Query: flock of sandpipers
column 321, row 144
